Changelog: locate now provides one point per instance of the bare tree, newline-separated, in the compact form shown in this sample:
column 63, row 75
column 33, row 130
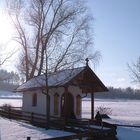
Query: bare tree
column 134, row 69
column 56, row 30
column 5, row 55
column 53, row 35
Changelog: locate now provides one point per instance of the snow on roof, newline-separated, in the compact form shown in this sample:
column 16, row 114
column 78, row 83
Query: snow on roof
column 58, row 78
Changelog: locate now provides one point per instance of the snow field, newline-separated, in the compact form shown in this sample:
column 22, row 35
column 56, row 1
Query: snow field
column 123, row 112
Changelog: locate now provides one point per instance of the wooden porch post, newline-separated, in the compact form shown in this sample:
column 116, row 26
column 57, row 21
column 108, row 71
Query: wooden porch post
column 92, row 106
column 65, row 102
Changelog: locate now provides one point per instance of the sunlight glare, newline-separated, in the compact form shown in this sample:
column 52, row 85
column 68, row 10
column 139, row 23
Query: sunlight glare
column 6, row 29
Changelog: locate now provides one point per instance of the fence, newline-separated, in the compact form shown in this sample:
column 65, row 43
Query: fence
column 84, row 129
column 13, row 113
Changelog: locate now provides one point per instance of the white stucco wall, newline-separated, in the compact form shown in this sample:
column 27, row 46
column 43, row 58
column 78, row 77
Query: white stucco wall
column 27, row 102
column 41, row 100
column 76, row 91
column 60, row 91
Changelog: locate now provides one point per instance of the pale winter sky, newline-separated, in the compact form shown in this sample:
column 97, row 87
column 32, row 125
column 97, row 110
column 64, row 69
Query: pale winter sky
column 117, row 35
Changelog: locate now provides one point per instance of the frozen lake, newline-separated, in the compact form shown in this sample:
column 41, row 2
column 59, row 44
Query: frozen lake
column 126, row 111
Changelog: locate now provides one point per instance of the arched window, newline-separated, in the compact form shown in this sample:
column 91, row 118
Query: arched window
column 56, row 103
column 62, row 105
column 34, row 99
column 78, row 105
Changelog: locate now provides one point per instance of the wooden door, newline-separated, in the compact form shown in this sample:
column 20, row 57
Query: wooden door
column 67, row 106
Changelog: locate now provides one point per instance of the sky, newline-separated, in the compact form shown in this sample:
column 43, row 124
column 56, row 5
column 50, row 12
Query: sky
column 117, row 36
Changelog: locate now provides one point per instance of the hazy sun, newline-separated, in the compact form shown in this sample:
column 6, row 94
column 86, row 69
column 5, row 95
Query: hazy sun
column 6, row 29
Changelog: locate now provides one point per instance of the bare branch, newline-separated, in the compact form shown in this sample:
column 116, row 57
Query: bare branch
column 134, row 70
column 59, row 27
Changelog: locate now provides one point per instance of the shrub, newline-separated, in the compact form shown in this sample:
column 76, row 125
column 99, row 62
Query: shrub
column 104, row 110
column 6, row 107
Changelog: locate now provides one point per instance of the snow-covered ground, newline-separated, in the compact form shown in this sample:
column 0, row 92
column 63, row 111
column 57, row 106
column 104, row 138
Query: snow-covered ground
column 16, row 130
column 123, row 112
column 125, row 133
column 9, row 94
column 12, row 102
column 126, row 111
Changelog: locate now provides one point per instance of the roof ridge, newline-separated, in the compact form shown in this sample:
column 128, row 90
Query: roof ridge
column 61, row 71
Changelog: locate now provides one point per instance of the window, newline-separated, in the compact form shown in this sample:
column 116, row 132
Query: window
column 56, row 103
column 62, row 105
column 34, row 99
column 78, row 105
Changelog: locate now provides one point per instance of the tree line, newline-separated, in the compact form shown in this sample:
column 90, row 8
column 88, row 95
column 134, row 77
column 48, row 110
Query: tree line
column 9, row 77
column 119, row 93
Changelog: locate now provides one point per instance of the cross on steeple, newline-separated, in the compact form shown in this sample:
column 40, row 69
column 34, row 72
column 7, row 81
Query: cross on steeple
column 87, row 60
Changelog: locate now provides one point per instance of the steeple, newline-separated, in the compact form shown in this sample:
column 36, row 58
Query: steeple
column 87, row 60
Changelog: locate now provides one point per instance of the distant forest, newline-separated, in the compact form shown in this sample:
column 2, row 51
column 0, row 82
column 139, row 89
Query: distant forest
column 119, row 93
column 9, row 80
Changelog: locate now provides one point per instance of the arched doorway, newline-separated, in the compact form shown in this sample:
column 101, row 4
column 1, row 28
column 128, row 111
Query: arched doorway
column 67, row 106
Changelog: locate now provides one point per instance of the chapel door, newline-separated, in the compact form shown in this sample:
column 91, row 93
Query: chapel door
column 67, row 109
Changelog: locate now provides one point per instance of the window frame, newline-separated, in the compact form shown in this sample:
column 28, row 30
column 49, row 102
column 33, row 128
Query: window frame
column 78, row 105
column 34, row 99
column 56, row 104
